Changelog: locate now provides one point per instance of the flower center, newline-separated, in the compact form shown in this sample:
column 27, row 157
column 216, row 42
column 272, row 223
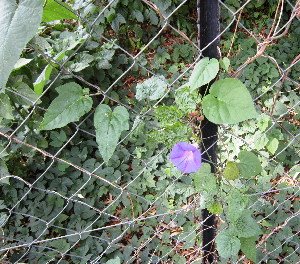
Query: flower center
column 189, row 154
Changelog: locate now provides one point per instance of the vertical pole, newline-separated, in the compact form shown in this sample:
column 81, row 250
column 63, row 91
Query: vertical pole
column 208, row 30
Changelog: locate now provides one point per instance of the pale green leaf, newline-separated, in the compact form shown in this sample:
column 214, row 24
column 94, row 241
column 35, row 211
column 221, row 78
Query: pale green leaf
column 237, row 203
column 248, row 246
column 249, row 164
column 228, row 245
column 18, row 24
column 152, row 89
column 5, row 107
column 215, row 208
column 186, row 99
column 21, row 62
column 109, row 126
column 228, row 102
column 204, row 72
column 56, row 11
column 225, row 63
column 231, row 171
column 272, row 145
column 68, row 106
column 245, row 225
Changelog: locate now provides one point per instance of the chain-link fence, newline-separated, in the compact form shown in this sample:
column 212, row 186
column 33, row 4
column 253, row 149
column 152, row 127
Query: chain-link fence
column 62, row 201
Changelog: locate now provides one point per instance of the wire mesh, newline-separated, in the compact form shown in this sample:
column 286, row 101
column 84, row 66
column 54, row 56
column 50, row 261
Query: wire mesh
column 58, row 217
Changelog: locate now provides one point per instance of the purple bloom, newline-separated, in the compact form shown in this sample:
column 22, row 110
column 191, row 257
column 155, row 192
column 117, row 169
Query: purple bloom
column 186, row 157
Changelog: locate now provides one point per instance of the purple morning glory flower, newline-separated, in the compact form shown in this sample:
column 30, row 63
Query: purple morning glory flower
column 186, row 157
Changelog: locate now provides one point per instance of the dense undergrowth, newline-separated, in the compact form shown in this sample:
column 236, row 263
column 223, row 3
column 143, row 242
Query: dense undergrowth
column 100, row 177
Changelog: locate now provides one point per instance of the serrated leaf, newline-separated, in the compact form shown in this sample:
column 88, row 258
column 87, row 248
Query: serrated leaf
column 109, row 126
column 186, row 99
column 215, row 208
column 225, row 63
column 23, row 91
column 5, row 107
column 56, row 11
column 204, row 72
column 152, row 89
column 231, row 171
column 237, row 202
column 248, row 246
column 138, row 15
column 18, row 24
column 249, row 164
column 70, row 104
column 245, row 225
column 228, row 102
column 167, row 115
column 228, row 245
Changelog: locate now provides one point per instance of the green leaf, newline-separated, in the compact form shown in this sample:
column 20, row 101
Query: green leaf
column 167, row 115
column 245, row 225
column 229, row 102
column 215, row 208
column 20, row 63
column 231, row 171
column 56, row 11
column 116, row 260
column 204, row 180
column 228, row 245
column 4, row 173
column 40, row 82
column 5, row 107
column 225, row 63
column 152, row 89
column 186, row 99
column 204, row 72
column 272, row 145
column 109, row 126
column 18, row 24
column 249, row 164
column 248, row 246
column 68, row 106
column 237, row 202
column 23, row 91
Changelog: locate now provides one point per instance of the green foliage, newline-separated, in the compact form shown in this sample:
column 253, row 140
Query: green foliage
column 56, row 10
column 228, row 245
column 24, row 19
column 249, row 164
column 204, row 72
column 228, row 102
column 248, row 246
column 153, row 88
column 109, row 126
column 68, row 106
column 186, row 99
column 231, row 171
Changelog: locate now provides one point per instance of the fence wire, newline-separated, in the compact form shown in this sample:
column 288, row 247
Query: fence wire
column 55, row 217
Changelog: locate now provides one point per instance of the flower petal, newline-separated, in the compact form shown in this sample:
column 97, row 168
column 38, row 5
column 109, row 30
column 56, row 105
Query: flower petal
column 186, row 157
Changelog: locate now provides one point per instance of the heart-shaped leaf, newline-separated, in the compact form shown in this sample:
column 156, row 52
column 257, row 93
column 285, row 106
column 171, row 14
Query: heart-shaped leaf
column 228, row 102
column 68, row 106
column 109, row 126
column 204, row 72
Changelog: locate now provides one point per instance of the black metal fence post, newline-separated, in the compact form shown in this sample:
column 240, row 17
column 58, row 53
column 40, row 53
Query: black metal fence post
column 208, row 41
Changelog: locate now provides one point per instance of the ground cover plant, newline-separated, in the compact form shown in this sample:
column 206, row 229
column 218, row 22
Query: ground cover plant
column 100, row 139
